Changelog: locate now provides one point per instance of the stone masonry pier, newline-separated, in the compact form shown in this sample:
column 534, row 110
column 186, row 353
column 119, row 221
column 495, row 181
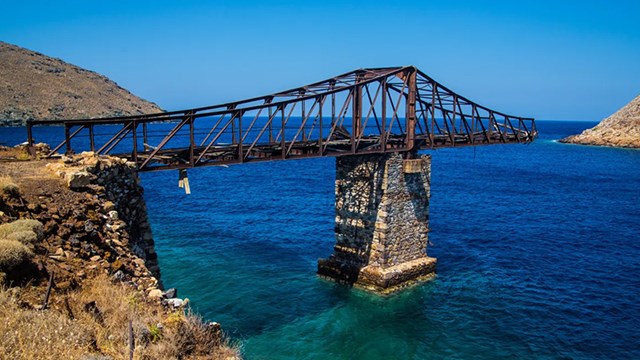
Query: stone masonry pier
column 382, row 218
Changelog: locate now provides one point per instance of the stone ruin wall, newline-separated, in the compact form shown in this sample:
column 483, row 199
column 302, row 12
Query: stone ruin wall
column 115, row 186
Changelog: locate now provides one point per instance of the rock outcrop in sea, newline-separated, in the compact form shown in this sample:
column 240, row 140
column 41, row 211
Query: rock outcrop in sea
column 35, row 86
column 621, row 129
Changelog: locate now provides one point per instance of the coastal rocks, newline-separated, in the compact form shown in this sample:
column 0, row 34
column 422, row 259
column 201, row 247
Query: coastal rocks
column 171, row 293
column 176, row 303
column 622, row 129
column 167, row 298
column 155, row 294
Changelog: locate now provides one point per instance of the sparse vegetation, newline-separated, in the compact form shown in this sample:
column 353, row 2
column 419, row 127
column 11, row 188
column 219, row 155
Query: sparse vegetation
column 22, row 225
column 8, row 186
column 37, row 91
column 23, row 156
column 26, row 237
column 102, row 330
column 13, row 253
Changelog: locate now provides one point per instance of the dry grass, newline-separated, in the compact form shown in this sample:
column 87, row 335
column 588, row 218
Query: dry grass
column 31, row 334
column 101, row 311
column 8, row 186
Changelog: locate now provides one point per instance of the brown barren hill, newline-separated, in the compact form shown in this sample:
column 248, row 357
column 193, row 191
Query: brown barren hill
column 621, row 129
column 35, row 86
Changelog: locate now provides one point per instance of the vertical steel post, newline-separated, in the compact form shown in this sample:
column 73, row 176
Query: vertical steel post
column 410, row 110
column 356, row 115
column 29, row 133
column 91, row 138
column 192, row 140
column 383, row 115
column 135, row 141
column 321, row 101
column 433, row 112
column 240, row 154
column 145, row 141
column 455, row 104
column 282, row 140
column 67, row 130
column 304, row 133
column 333, row 105
column 475, row 123
column 233, row 130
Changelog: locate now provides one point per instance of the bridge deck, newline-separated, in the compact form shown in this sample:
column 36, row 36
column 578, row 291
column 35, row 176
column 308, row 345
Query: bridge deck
column 225, row 154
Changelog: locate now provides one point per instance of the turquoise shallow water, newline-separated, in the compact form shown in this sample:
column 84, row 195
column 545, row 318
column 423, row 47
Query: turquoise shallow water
column 538, row 248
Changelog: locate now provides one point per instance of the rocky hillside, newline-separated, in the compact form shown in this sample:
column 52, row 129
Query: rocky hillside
column 621, row 129
column 35, row 86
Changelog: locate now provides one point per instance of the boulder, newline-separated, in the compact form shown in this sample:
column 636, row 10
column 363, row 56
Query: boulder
column 155, row 294
column 171, row 293
column 78, row 180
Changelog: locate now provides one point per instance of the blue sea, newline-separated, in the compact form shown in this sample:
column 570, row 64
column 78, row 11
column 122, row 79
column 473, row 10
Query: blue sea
column 538, row 251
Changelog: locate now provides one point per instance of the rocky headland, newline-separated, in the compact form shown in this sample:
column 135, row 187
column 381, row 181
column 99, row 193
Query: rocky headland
column 80, row 224
column 39, row 87
column 622, row 129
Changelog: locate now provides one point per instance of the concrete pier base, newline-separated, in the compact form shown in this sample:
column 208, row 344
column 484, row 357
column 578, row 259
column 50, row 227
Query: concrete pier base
column 382, row 217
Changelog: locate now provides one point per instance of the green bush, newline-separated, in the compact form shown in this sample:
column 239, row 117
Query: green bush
column 13, row 253
column 26, row 237
column 20, row 226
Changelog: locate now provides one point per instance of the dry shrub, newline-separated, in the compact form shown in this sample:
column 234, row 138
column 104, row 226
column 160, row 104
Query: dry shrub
column 26, row 237
column 158, row 334
column 23, row 156
column 32, row 334
column 13, row 253
column 8, row 186
column 22, row 225
column 101, row 311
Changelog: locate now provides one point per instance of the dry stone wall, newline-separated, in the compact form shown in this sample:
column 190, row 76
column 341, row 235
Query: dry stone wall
column 114, row 184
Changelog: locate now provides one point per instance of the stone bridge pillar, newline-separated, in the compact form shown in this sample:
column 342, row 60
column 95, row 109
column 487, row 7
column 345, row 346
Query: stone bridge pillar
column 382, row 218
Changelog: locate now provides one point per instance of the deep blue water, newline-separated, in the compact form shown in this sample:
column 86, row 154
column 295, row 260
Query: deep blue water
column 538, row 248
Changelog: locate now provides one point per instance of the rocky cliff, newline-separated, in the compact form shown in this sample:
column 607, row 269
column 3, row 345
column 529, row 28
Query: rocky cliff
column 80, row 224
column 621, row 129
column 35, row 86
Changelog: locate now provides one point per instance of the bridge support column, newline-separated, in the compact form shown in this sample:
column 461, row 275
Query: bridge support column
column 382, row 218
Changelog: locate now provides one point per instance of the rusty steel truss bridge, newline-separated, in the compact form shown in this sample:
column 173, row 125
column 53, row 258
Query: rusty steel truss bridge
column 366, row 111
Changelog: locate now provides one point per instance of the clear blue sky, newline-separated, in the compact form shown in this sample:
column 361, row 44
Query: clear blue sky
column 549, row 59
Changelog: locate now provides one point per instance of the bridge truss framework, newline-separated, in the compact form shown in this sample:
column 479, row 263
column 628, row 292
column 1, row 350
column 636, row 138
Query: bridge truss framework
column 395, row 109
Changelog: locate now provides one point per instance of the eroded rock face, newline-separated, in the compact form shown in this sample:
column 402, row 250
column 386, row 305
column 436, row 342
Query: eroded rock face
column 621, row 129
